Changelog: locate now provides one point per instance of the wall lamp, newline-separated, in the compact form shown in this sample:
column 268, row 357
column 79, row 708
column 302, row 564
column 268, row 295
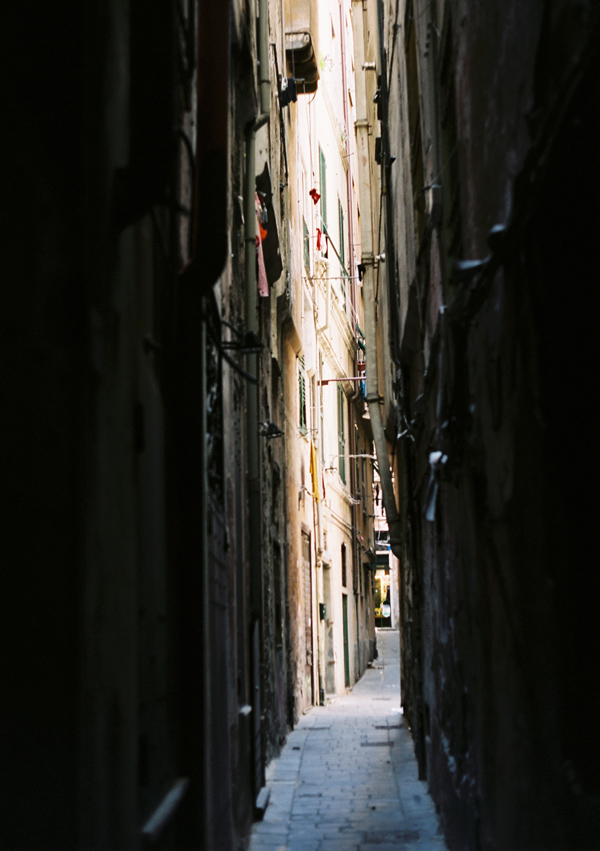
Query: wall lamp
column 270, row 430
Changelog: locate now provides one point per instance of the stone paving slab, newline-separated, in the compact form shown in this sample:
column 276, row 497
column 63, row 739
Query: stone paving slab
column 347, row 777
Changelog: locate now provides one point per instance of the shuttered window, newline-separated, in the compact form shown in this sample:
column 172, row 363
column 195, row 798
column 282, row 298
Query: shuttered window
column 363, row 485
column 306, row 246
column 342, row 242
column 342, row 250
column 323, row 187
column 341, row 434
column 302, row 395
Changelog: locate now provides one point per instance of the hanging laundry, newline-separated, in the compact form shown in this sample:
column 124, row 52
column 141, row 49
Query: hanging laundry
column 263, row 283
column 263, row 212
column 314, row 472
column 315, row 196
column 261, row 216
column 319, row 235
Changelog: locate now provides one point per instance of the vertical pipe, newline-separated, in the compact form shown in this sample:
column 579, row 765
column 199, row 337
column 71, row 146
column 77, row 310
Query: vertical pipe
column 206, row 694
column 252, row 362
column 263, row 57
column 253, row 454
column 316, row 425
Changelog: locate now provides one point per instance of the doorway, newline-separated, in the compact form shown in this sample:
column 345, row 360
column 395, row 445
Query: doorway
column 346, row 643
column 308, row 632
column 329, row 646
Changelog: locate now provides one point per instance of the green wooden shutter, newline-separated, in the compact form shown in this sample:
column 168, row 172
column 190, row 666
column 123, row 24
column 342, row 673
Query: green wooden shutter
column 341, row 434
column 342, row 249
column 306, row 246
column 301, row 395
column 323, row 188
column 342, row 242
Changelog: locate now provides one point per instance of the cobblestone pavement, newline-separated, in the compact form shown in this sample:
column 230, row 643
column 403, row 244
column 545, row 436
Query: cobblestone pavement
column 347, row 778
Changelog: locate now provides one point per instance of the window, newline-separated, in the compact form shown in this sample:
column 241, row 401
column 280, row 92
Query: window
column 344, row 567
column 363, row 489
column 361, row 572
column 306, row 246
column 323, row 187
column 302, row 396
column 342, row 243
column 341, row 434
column 308, row 596
column 342, row 250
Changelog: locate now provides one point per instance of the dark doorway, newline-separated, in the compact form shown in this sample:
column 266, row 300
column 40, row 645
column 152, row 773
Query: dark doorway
column 307, row 593
column 346, row 647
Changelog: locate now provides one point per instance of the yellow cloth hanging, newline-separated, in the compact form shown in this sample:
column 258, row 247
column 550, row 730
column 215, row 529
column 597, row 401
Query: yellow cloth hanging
column 314, row 472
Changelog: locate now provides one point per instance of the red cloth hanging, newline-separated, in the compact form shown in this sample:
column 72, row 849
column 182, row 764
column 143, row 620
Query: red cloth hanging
column 263, row 283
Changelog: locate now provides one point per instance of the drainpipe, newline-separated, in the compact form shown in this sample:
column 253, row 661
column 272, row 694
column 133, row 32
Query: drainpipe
column 263, row 57
column 318, row 521
column 367, row 229
column 206, row 613
column 252, row 297
column 319, row 331
column 252, row 362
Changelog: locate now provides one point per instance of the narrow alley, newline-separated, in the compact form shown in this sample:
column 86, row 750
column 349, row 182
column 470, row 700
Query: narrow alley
column 299, row 344
column 347, row 778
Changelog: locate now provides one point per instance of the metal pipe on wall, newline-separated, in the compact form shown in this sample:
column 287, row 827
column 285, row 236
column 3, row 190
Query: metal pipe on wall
column 252, row 362
column 263, row 57
column 206, row 609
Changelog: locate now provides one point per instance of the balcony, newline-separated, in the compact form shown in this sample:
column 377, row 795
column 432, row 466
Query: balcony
column 302, row 43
